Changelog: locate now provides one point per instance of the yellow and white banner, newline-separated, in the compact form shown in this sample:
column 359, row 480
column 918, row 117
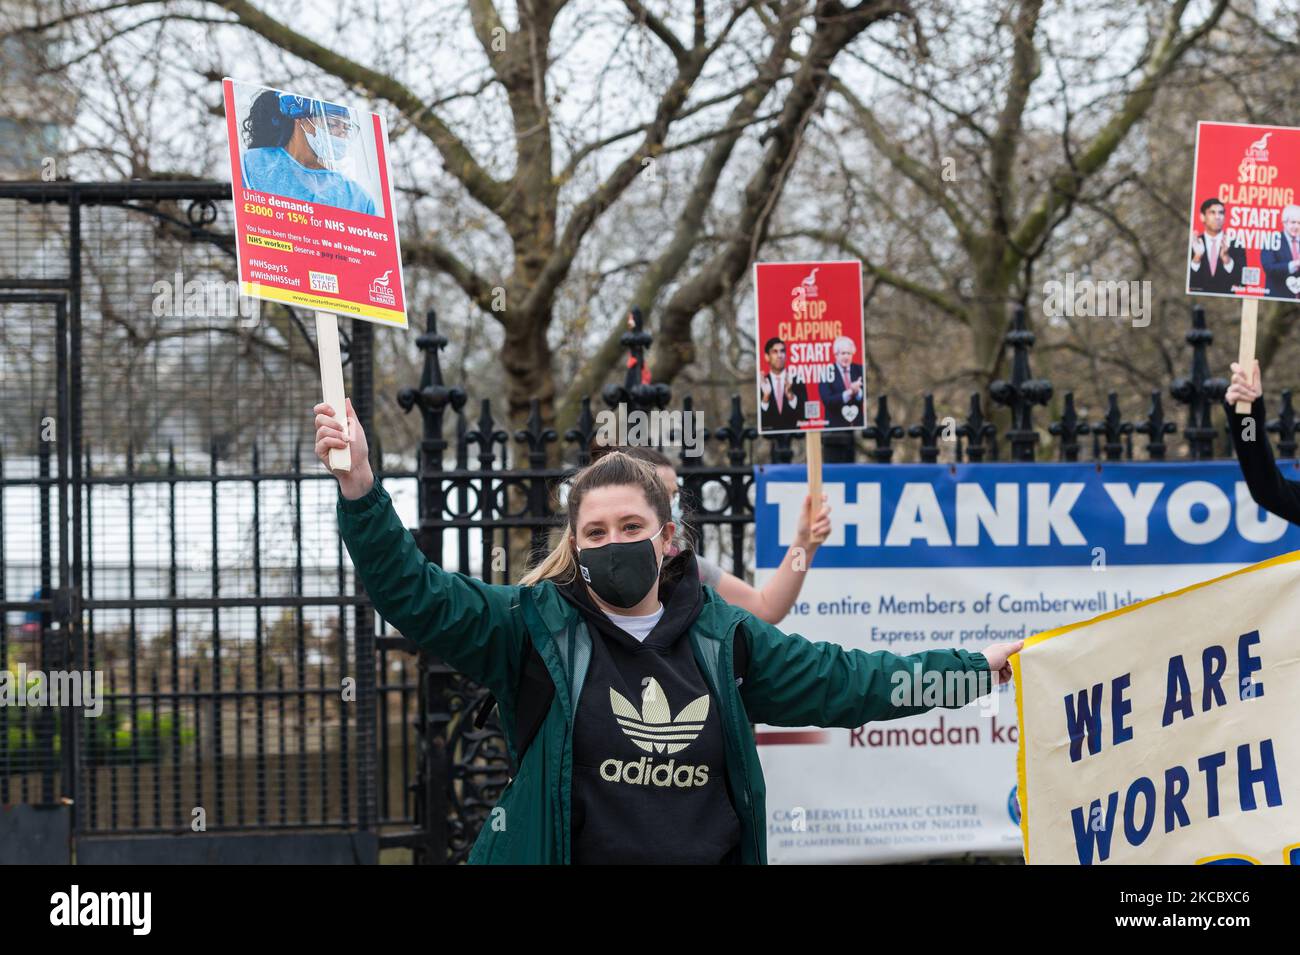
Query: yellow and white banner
column 1165, row 732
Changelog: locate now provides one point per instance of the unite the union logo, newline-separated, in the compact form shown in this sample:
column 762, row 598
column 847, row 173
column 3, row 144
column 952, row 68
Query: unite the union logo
column 381, row 292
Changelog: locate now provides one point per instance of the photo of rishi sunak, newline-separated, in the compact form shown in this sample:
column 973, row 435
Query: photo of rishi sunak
column 1216, row 261
column 781, row 396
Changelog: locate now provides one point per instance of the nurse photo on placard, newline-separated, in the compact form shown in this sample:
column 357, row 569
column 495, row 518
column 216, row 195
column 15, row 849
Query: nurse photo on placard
column 306, row 149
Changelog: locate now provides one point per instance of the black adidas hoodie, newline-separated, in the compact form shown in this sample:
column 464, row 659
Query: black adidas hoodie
column 649, row 780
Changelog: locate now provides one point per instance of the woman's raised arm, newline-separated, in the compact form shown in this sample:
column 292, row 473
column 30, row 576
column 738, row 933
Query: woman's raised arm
column 792, row 681
column 778, row 594
column 1268, row 487
column 473, row 626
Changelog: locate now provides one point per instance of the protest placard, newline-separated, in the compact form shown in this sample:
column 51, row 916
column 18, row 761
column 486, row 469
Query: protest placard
column 1245, row 220
column 1163, row 732
column 811, row 352
column 314, row 218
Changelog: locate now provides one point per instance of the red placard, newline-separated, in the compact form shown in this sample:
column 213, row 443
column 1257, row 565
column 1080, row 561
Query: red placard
column 314, row 219
column 1245, row 216
column 811, row 346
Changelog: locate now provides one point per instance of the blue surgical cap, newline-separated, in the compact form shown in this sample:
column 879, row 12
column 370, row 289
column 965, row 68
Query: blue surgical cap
column 296, row 107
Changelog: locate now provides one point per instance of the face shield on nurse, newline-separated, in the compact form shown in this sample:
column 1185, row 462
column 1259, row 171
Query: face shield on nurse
column 323, row 132
column 328, row 135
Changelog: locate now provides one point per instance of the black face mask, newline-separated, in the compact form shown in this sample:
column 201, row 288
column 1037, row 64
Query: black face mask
column 621, row 573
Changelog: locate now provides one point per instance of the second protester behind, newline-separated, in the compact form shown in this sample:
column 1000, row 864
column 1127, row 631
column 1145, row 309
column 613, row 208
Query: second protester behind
column 773, row 600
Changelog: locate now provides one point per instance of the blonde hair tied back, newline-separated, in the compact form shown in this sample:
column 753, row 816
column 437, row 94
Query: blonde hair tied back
column 612, row 469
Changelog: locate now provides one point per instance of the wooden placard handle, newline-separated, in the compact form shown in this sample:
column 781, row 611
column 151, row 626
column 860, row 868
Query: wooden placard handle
column 1246, row 350
column 331, row 377
column 814, row 441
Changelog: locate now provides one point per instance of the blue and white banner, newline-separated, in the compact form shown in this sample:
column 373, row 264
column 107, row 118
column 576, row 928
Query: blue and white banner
column 933, row 556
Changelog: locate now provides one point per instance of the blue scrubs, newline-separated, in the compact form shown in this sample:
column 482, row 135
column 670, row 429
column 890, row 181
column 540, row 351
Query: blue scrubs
column 271, row 169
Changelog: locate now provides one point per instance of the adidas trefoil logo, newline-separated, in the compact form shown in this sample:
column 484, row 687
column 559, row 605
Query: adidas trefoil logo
column 654, row 729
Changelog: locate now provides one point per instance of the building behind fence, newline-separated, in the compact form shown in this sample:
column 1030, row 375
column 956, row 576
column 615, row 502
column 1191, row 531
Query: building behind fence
column 164, row 522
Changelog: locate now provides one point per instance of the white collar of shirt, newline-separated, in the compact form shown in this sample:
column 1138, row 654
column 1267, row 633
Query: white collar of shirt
column 638, row 626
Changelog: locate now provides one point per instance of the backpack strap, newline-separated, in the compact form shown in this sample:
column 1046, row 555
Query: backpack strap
column 532, row 701
column 740, row 654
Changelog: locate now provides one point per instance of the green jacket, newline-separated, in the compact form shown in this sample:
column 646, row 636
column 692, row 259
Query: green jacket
column 481, row 629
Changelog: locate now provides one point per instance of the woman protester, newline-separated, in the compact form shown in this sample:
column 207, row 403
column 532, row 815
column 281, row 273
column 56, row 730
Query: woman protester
column 626, row 688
